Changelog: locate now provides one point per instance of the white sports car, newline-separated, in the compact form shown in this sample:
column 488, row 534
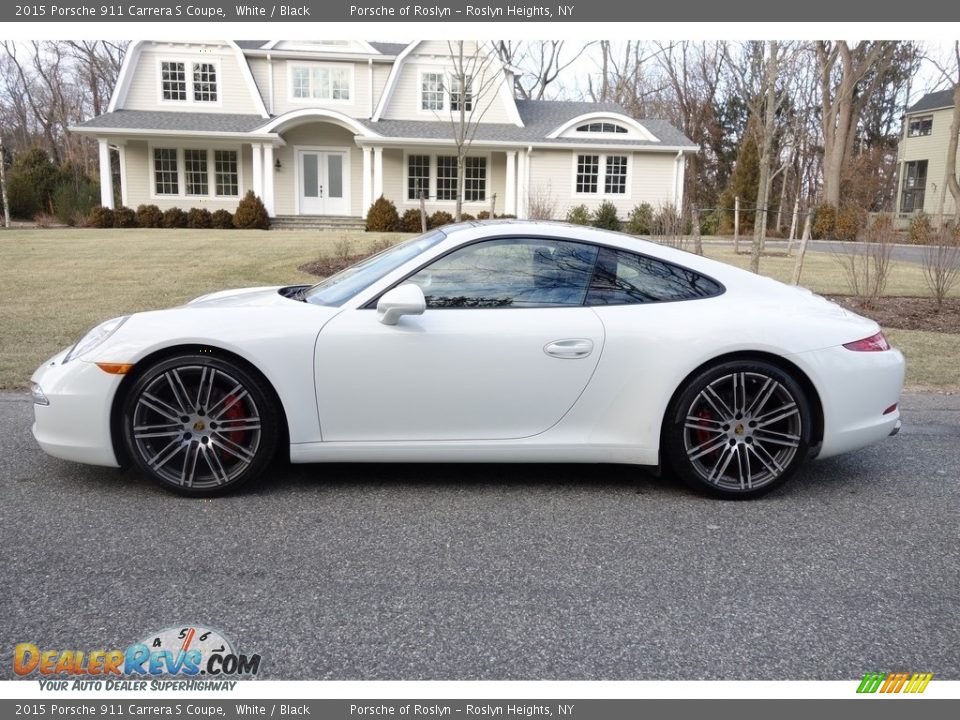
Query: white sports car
column 482, row 342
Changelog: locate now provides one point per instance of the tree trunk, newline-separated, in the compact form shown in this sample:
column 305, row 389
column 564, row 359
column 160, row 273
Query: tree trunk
column 950, row 176
column 766, row 150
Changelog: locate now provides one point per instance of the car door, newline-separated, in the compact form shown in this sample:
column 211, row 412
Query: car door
column 503, row 350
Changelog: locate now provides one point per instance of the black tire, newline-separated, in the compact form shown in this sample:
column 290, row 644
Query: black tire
column 738, row 429
column 200, row 425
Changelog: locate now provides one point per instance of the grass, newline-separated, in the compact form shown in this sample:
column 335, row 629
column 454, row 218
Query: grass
column 55, row 284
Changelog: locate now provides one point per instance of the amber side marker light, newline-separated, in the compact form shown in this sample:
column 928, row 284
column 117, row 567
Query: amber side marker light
column 115, row 368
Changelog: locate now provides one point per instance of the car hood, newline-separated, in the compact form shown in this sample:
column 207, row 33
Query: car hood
column 265, row 296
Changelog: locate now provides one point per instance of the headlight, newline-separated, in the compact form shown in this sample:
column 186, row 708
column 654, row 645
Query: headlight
column 95, row 337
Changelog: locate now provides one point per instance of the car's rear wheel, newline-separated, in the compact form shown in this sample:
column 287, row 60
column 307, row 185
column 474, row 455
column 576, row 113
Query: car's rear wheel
column 200, row 425
column 738, row 429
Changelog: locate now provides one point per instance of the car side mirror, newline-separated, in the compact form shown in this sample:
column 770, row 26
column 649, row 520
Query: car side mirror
column 402, row 300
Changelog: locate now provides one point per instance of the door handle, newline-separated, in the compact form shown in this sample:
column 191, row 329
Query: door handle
column 569, row 349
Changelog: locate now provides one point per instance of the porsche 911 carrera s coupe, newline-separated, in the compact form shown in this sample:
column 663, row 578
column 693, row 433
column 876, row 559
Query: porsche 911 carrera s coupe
column 498, row 341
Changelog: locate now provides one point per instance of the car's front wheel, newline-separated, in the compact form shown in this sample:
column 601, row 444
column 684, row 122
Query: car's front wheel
column 738, row 429
column 199, row 425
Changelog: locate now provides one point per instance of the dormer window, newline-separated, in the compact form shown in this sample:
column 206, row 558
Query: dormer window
column 182, row 81
column 321, row 82
column 602, row 127
column 440, row 91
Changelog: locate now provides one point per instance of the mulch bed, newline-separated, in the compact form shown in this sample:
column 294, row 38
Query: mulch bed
column 330, row 265
column 908, row 313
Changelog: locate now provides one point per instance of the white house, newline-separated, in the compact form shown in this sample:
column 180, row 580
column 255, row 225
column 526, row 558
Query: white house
column 922, row 156
column 323, row 128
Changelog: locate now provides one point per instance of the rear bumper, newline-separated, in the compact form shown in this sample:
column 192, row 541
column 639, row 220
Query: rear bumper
column 76, row 424
column 856, row 389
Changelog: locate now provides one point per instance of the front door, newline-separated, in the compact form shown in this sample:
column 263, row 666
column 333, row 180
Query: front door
column 323, row 182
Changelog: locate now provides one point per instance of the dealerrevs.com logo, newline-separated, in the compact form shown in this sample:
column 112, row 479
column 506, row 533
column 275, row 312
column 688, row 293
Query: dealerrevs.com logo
column 895, row 683
column 188, row 652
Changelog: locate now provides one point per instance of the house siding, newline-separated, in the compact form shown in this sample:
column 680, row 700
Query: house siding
column 139, row 175
column 933, row 149
column 435, row 56
column 234, row 94
column 360, row 105
column 650, row 179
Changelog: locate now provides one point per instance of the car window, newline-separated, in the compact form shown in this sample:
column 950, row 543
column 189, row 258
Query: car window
column 623, row 278
column 509, row 272
column 337, row 289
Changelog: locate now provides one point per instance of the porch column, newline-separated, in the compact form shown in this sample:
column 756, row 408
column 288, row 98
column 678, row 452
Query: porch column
column 106, row 174
column 521, row 210
column 122, row 150
column 377, row 172
column 257, row 169
column 367, row 180
column 268, row 173
column 510, row 191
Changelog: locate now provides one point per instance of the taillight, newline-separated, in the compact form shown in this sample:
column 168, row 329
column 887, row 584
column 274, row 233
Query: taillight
column 874, row 343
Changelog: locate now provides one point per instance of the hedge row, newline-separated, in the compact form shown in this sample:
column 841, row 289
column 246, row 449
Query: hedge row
column 250, row 215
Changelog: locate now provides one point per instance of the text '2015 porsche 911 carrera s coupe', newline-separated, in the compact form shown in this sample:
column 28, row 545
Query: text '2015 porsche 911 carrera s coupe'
column 502, row 341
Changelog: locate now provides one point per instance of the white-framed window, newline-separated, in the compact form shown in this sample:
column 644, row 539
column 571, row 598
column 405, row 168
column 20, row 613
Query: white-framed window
column 464, row 95
column 173, row 80
column 418, row 176
column 189, row 81
column 431, row 91
column 313, row 81
column 475, row 179
column 446, row 177
column 226, row 173
column 436, row 177
column 440, row 91
column 602, row 127
column 166, row 176
column 195, row 172
column 600, row 174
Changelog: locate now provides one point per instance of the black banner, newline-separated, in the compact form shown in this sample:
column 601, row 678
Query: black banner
column 516, row 11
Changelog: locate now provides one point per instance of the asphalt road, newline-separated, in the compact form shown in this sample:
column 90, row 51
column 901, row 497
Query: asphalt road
column 501, row 572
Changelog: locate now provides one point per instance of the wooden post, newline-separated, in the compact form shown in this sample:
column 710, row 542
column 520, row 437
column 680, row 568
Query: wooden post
column 493, row 205
column 695, row 220
column 423, row 212
column 736, row 225
column 798, row 266
column 793, row 224
column 3, row 187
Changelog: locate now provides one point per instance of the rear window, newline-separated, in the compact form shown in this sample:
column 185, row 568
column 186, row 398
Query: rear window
column 625, row 278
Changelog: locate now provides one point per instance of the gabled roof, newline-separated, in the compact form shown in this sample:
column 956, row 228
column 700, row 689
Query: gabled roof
column 933, row 101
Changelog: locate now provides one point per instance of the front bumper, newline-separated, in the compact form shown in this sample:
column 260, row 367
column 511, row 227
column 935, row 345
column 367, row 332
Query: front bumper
column 75, row 425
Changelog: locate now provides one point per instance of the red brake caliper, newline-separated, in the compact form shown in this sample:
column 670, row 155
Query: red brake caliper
column 234, row 412
column 702, row 436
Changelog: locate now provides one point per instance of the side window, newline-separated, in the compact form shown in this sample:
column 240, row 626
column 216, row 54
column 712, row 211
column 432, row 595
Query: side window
column 512, row 272
column 623, row 278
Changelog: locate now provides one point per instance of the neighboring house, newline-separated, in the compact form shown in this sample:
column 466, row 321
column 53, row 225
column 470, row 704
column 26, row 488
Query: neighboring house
column 325, row 127
column 922, row 156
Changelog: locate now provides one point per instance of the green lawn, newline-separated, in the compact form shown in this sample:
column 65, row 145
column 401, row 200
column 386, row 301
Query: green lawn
column 54, row 284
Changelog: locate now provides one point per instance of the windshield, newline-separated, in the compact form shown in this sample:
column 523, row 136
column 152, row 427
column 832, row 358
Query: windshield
column 339, row 288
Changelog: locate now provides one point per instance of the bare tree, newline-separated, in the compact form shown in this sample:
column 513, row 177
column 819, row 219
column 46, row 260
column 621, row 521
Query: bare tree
column 941, row 263
column 843, row 94
column 538, row 63
column 867, row 267
column 476, row 77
